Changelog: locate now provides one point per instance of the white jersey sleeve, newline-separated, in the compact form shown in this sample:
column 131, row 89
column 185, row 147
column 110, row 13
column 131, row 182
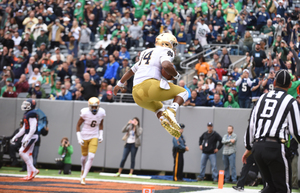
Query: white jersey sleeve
column 91, row 123
column 149, row 64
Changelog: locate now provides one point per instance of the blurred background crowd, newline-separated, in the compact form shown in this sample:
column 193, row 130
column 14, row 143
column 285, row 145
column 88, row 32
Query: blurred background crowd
column 74, row 50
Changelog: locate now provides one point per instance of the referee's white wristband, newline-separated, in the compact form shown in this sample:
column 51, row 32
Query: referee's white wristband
column 177, row 76
column 120, row 84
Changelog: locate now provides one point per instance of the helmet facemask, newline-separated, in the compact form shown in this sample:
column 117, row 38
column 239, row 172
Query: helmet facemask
column 26, row 106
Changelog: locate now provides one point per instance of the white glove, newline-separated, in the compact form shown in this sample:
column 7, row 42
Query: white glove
column 24, row 144
column 101, row 136
column 80, row 141
column 12, row 141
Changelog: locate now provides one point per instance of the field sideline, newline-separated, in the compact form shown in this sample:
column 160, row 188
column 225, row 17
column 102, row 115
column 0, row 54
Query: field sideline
column 51, row 181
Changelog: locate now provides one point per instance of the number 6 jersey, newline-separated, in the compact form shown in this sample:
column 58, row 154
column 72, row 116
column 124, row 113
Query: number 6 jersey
column 91, row 123
column 149, row 64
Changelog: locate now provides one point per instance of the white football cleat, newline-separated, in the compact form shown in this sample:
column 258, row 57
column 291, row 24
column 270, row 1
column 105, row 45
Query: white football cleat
column 82, row 181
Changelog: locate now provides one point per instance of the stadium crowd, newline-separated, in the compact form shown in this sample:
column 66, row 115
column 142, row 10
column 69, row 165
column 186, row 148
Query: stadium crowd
column 74, row 50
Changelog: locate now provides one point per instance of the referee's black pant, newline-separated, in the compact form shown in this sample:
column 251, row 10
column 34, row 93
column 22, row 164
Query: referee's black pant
column 273, row 165
column 245, row 169
column 178, row 166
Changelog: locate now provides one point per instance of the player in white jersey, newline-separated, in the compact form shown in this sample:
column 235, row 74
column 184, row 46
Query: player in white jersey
column 90, row 135
column 149, row 88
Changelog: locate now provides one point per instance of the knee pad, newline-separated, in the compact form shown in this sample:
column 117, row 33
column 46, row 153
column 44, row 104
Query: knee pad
column 184, row 95
column 91, row 156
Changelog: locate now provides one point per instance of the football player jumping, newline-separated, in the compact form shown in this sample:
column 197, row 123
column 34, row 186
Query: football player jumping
column 30, row 129
column 92, row 117
column 150, row 88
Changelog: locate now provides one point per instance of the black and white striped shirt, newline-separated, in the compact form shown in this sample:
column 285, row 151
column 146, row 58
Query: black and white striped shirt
column 275, row 115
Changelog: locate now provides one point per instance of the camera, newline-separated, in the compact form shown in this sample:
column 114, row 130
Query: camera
column 66, row 142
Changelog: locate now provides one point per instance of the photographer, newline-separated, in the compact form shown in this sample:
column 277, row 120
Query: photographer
column 65, row 150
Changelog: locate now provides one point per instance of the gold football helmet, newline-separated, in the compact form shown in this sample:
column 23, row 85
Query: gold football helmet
column 94, row 105
column 166, row 40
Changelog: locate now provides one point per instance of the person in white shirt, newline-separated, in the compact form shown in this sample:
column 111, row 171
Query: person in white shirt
column 17, row 39
column 91, row 133
column 34, row 74
column 102, row 44
column 36, row 28
column 201, row 32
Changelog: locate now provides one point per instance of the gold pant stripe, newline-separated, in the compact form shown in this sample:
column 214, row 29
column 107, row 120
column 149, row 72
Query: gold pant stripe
column 149, row 95
column 90, row 145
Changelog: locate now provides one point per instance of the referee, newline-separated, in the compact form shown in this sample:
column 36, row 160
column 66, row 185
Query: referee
column 275, row 115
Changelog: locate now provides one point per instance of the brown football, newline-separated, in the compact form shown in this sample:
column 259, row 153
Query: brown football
column 166, row 75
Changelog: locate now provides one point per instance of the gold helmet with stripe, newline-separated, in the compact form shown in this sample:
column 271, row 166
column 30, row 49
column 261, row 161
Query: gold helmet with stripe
column 166, row 40
column 94, row 105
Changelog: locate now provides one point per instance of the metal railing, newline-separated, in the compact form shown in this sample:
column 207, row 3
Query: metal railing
column 123, row 98
column 231, row 66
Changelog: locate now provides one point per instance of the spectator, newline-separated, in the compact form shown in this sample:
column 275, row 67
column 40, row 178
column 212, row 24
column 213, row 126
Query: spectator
column 216, row 102
column 259, row 57
column 135, row 32
column 208, row 144
column 244, row 83
column 268, row 83
column 182, row 84
column 194, row 100
column 251, row 21
column 57, row 52
column 50, row 17
column 195, row 47
column 219, row 22
column 248, row 42
column 7, row 41
column 64, row 94
column 132, row 138
column 225, row 61
column 231, row 103
column 179, row 147
column 202, row 92
column 268, row 30
column 89, row 87
column 194, row 85
column 109, row 97
column 34, row 75
column 281, row 7
column 42, row 38
column 220, row 71
column 231, row 12
column 19, row 66
column 242, row 24
column 37, row 28
column 202, row 30
column 94, row 76
column 111, row 70
column 4, row 88
column 9, row 92
column 22, row 84
column 102, row 44
column 27, row 43
column 181, row 38
column 65, row 150
column 62, row 71
column 29, row 21
column 229, row 151
column 256, row 89
column 124, row 53
column 202, row 66
column 17, row 39
column 55, row 29
column 262, row 17
column 36, row 92
column 84, row 41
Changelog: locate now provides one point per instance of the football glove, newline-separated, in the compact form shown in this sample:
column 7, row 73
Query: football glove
column 24, row 144
column 12, row 141
column 80, row 141
column 101, row 136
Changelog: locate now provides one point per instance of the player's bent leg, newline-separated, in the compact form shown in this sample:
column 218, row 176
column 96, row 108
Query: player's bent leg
column 84, row 153
column 92, row 148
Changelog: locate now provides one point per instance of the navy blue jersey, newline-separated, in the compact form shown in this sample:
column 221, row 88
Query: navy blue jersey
column 27, row 115
column 257, row 92
column 244, row 90
column 270, row 84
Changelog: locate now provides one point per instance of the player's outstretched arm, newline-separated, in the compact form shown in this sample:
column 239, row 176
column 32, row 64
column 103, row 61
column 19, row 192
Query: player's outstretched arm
column 19, row 134
column 124, row 78
column 80, row 121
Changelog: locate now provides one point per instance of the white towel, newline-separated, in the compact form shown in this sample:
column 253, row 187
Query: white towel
column 164, row 84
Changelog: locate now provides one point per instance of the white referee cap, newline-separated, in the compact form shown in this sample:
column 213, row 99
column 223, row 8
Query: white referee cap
column 283, row 78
